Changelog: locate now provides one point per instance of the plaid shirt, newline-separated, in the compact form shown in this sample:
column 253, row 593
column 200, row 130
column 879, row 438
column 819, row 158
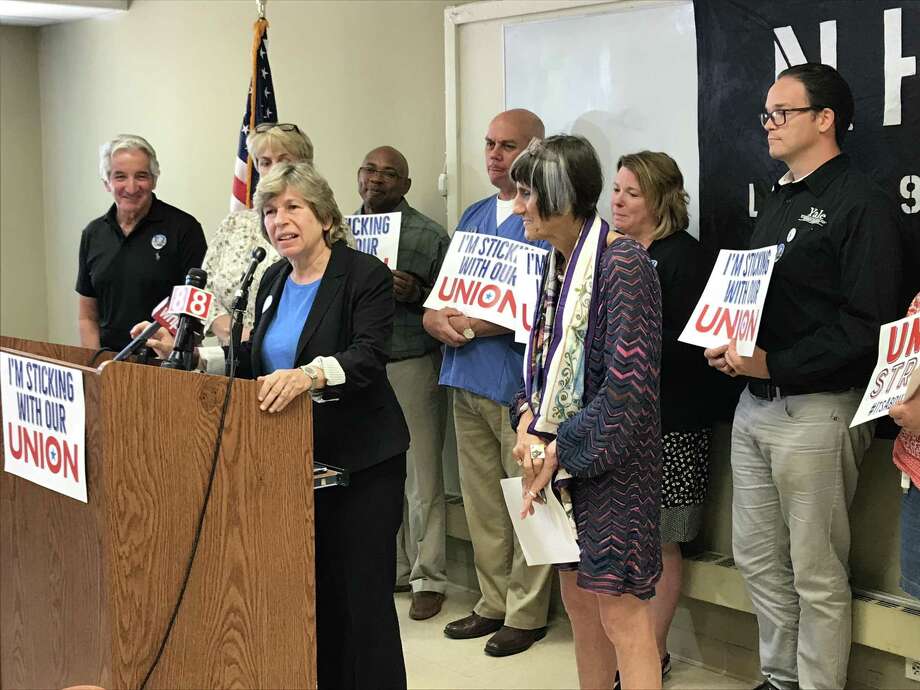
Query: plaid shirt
column 422, row 246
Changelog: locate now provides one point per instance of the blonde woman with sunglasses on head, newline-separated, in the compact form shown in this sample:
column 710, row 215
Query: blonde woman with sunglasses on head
column 231, row 247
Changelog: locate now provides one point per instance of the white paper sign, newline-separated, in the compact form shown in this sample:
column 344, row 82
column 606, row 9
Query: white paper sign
column 377, row 234
column 491, row 278
column 546, row 536
column 896, row 370
column 44, row 424
column 732, row 303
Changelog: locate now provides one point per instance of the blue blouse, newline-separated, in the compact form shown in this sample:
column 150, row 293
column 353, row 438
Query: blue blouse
column 279, row 348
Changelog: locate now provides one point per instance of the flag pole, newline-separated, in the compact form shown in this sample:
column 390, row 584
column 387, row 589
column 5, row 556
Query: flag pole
column 258, row 31
column 260, row 107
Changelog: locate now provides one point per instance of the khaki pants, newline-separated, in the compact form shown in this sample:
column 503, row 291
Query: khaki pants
column 795, row 464
column 420, row 543
column 510, row 588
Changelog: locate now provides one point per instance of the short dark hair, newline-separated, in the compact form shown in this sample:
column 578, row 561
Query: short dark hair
column 825, row 89
column 565, row 174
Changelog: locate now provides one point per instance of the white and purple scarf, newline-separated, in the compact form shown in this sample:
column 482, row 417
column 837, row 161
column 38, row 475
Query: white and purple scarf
column 554, row 375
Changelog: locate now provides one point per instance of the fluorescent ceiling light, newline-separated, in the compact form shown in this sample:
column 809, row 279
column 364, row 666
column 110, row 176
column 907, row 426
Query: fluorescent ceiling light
column 25, row 12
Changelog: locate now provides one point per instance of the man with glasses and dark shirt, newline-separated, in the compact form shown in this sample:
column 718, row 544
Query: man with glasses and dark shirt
column 415, row 362
column 795, row 461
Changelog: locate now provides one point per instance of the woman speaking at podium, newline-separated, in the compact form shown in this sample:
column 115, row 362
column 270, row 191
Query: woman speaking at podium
column 324, row 315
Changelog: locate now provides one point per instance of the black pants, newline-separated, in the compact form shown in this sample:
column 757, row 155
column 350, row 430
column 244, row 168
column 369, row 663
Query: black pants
column 357, row 633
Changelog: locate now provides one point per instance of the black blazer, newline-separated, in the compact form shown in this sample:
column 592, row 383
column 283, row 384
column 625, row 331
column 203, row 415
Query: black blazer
column 361, row 424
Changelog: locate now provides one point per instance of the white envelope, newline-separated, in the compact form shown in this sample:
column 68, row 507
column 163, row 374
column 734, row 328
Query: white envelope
column 546, row 536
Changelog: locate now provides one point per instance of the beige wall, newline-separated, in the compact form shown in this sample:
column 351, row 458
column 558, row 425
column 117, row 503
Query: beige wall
column 353, row 74
column 22, row 274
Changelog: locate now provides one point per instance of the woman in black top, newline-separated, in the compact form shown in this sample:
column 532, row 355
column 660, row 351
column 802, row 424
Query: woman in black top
column 649, row 204
column 324, row 318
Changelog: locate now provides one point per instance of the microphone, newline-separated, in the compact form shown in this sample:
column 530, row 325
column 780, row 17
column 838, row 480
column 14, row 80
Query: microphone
column 161, row 318
column 258, row 256
column 193, row 305
column 240, row 299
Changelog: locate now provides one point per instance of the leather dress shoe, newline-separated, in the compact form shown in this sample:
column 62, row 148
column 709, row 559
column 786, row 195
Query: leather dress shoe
column 425, row 605
column 508, row 640
column 472, row 626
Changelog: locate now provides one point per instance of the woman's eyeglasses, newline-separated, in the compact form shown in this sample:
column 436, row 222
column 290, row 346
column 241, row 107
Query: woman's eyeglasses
column 263, row 127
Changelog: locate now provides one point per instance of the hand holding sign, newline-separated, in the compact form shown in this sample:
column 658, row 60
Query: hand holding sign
column 732, row 303
column 490, row 278
column 406, row 287
column 895, row 373
column 716, row 358
column 438, row 324
column 754, row 366
column 907, row 415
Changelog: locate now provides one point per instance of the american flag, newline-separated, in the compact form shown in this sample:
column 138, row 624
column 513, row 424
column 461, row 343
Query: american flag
column 260, row 107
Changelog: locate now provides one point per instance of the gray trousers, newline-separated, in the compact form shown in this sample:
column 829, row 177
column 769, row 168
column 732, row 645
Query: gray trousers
column 421, row 558
column 511, row 589
column 795, row 464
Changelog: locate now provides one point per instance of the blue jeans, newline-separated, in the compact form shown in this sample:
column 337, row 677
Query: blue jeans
column 910, row 542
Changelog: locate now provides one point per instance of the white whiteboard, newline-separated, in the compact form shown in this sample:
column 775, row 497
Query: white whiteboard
column 625, row 79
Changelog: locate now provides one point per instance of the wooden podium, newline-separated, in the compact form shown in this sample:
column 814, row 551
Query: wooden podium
column 87, row 589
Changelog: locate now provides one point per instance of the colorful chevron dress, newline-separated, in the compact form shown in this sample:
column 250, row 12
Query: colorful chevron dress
column 612, row 445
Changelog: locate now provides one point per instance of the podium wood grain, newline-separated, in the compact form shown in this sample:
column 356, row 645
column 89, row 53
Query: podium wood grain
column 88, row 589
column 62, row 353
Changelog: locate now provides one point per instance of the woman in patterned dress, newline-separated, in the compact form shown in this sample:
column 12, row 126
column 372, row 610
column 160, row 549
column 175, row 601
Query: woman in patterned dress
column 649, row 204
column 230, row 249
column 591, row 405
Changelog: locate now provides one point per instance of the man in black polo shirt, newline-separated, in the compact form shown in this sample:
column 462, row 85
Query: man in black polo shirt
column 131, row 257
column 795, row 462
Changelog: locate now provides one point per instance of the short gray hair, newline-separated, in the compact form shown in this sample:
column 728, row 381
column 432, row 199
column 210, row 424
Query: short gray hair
column 563, row 172
column 303, row 179
column 124, row 142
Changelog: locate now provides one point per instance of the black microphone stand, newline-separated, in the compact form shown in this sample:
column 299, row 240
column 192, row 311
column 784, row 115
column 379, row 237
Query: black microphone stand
column 238, row 310
column 236, row 324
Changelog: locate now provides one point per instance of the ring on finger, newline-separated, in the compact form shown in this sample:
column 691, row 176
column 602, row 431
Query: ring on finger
column 531, row 493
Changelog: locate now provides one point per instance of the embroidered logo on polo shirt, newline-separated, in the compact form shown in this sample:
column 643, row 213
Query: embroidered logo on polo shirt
column 815, row 217
column 158, row 241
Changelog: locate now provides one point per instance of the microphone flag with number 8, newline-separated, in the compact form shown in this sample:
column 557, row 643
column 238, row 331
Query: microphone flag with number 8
column 191, row 301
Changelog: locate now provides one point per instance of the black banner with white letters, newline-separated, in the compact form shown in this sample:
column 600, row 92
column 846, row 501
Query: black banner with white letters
column 743, row 44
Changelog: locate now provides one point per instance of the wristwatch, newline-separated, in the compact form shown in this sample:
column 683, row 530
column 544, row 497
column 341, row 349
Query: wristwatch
column 311, row 371
column 468, row 332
